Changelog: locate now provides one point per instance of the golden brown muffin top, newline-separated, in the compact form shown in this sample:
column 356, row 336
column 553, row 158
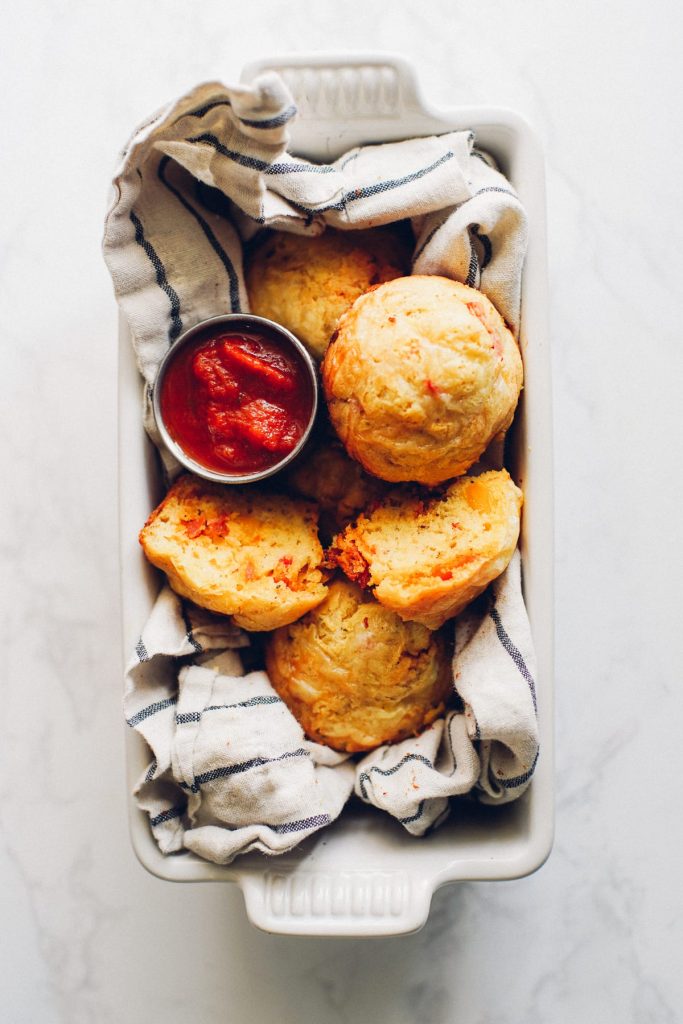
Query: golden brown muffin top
column 421, row 375
column 306, row 282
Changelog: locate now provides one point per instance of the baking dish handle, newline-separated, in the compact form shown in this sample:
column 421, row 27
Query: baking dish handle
column 330, row 87
column 352, row 903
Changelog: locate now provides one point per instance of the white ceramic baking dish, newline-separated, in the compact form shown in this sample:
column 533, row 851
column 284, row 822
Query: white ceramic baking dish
column 365, row 875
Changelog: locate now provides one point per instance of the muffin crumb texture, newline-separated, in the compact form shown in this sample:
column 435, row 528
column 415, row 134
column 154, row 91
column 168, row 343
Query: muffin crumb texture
column 427, row 556
column 238, row 551
column 355, row 675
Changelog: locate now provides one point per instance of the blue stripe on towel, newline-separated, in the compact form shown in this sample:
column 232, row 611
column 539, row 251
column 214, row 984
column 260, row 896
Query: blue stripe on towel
column 172, row 812
column 271, row 122
column 243, row 766
column 253, row 702
column 260, row 165
column 299, row 826
column 450, row 745
column 518, row 780
column 300, row 168
column 141, row 651
column 376, row 189
column 188, row 625
column 413, row 817
column 474, row 228
column 473, row 268
column 392, row 183
column 232, row 154
column 211, row 238
column 151, row 709
column 514, row 653
column 418, row 814
column 485, row 243
column 209, row 106
column 484, row 157
column 365, row 776
column 495, row 188
column 349, row 159
column 418, row 252
column 162, row 280
column 266, row 123
column 196, row 716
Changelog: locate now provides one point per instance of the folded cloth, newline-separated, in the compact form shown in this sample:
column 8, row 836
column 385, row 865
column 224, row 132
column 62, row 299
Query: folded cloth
column 254, row 782
column 493, row 671
column 232, row 770
column 173, row 631
column 196, row 180
column 413, row 780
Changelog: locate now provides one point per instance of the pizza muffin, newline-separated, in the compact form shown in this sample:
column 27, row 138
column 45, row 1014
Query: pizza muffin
column 339, row 485
column 426, row 558
column 305, row 283
column 421, row 375
column 355, row 675
column 240, row 551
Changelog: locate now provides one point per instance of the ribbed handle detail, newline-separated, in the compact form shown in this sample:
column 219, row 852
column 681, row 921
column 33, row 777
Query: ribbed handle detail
column 369, row 91
column 336, row 903
column 329, row 88
column 357, row 894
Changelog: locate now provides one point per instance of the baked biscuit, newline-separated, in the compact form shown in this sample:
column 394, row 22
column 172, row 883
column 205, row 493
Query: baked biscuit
column 354, row 675
column 242, row 552
column 427, row 558
column 422, row 374
column 305, row 283
column 339, row 485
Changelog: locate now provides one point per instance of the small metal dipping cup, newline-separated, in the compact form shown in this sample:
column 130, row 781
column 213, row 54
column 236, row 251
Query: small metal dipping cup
column 235, row 322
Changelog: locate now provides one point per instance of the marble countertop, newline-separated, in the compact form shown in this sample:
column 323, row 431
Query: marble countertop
column 596, row 934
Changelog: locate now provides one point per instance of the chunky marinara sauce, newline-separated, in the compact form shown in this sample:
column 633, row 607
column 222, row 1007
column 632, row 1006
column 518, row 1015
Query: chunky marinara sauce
column 236, row 401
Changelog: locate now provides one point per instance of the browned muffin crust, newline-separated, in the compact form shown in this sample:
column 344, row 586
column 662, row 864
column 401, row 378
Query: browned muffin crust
column 422, row 374
column 306, row 282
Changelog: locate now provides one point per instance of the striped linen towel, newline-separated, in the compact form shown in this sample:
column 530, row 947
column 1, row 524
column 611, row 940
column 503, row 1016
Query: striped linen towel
column 196, row 180
column 232, row 770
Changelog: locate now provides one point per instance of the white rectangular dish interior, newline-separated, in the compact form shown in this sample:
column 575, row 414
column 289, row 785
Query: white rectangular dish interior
column 365, row 875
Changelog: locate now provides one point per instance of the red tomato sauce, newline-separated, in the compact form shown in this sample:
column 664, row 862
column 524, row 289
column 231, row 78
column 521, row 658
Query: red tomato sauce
column 236, row 401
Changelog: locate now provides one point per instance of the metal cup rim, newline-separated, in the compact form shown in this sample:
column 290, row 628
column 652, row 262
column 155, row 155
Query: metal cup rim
column 249, row 320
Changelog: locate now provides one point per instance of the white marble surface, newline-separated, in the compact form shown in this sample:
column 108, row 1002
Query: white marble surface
column 596, row 935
